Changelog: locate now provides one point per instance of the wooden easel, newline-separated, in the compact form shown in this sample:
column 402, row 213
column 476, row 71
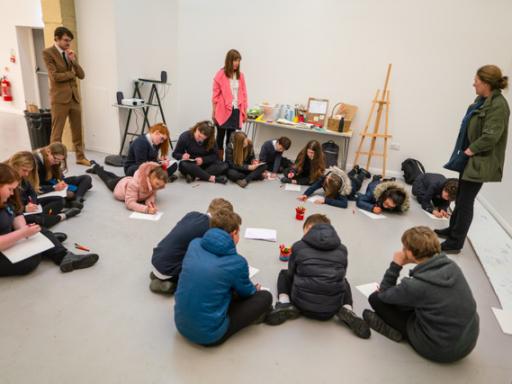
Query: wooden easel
column 382, row 102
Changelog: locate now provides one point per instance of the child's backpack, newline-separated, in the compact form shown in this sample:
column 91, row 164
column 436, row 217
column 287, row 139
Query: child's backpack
column 331, row 152
column 412, row 168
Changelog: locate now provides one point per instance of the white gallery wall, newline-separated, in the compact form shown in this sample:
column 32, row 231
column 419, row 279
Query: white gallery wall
column 20, row 13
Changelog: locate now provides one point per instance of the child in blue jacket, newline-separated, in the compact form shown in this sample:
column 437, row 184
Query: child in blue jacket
column 215, row 298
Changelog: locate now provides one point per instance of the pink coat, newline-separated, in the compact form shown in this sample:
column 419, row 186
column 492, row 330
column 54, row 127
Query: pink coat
column 223, row 99
column 136, row 189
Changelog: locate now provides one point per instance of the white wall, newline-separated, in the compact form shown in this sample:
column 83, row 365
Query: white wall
column 296, row 49
column 25, row 13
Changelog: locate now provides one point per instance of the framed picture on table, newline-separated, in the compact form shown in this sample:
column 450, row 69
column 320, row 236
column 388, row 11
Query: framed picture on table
column 317, row 111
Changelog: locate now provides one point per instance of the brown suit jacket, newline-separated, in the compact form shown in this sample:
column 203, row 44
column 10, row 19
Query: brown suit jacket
column 63, row 85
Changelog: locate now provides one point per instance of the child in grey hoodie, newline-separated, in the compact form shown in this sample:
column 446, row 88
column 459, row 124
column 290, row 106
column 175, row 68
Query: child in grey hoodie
column 433, row 309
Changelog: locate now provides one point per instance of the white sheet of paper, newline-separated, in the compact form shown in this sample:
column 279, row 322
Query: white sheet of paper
column 261, row 234
column 433, row 217
column 372, row 215
column 368, row 289
column 292, row 187
column 504, row 318
column 62, row 193
column 314, row 198
column 252, row 271
column 25, row 248
column 145, row 216
column 39, row 210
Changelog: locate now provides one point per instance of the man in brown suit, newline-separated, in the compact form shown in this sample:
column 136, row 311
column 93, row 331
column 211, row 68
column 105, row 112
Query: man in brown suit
column 63, row 70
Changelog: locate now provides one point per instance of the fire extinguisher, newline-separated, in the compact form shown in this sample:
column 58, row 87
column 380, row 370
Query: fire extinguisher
column 6, row 89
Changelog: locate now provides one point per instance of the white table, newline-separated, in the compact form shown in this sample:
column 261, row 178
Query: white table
column 343, row 138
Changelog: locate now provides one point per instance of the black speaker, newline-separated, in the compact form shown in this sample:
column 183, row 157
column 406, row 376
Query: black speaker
column 120, row 97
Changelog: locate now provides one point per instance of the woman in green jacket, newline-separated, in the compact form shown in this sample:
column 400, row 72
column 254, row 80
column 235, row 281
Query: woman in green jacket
column 480, row 151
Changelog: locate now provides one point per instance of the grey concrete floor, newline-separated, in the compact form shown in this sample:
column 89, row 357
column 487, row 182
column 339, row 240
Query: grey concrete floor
column 103, row 325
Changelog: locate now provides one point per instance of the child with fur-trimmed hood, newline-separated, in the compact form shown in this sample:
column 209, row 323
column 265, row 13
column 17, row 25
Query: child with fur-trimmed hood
column 339, row 187
column 384, row 195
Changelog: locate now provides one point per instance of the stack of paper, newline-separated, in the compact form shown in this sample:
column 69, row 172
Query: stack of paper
column 292, row 187
column 62, row 193
column 314, row 198
column 372, row 215
column 145, row 216
column 252, row 271
column 39, row 210
column 433, row 217
column 261, row 234
column 368, row 289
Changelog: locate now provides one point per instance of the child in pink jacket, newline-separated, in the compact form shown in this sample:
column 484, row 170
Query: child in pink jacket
column 138, row 191
column 229, row 99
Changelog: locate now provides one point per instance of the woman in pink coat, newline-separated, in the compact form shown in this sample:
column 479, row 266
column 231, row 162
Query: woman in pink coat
column 138, row 191
column 229, row 100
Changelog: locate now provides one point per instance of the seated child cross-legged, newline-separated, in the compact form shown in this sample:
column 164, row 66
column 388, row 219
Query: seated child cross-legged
column 215, row 297
column 433, row 309
column 309, row 165
column 243, row 166
column 383, row 195
column 13, row 228
column 168, row 254
column 137, row 192
column 314, row 283
column 339, row 187
column 435, row 192
column 197, row 152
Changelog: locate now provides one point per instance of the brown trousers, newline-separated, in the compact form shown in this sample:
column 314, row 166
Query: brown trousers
column 60, row 112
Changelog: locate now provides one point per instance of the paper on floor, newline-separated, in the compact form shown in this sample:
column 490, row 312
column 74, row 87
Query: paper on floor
column 26, row 248
column 252, row 271
column 261, row 234
column 372, row 215
column 368, row 289
column 62, row 193
column 504, row 318
column 292, row 187
column 433, row 217
column 146, row 216
column 39, row 210
column 314, row 198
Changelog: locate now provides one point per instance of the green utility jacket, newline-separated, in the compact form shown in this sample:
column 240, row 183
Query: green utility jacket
column 487, row 134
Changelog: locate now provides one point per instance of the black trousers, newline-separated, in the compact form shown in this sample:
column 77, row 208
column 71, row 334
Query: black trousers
column 203, row 172
column 235, row 175
column 26, row 266
column 226, row 129
column 284, row 285
column 130, row 171
column 396, row 317
column 244, row 312
column 83, row 182
column 52, row 206
column 110, row 179
column 462, row 215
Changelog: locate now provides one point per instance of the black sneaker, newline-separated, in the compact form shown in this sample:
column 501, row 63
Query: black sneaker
column 378, row 325
column 189, row 179
column 221, row 179
column 450, row 247
column 74, row 204
column 165, row 287
column 62, row 237
column 242, row 183
column 444, row 233
column 281, row 313
column 355, row 323
column 263, row 316
column 92, row 170
column 72, row 261
column 72, row 212
column 285, row 180
column 172, row 179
